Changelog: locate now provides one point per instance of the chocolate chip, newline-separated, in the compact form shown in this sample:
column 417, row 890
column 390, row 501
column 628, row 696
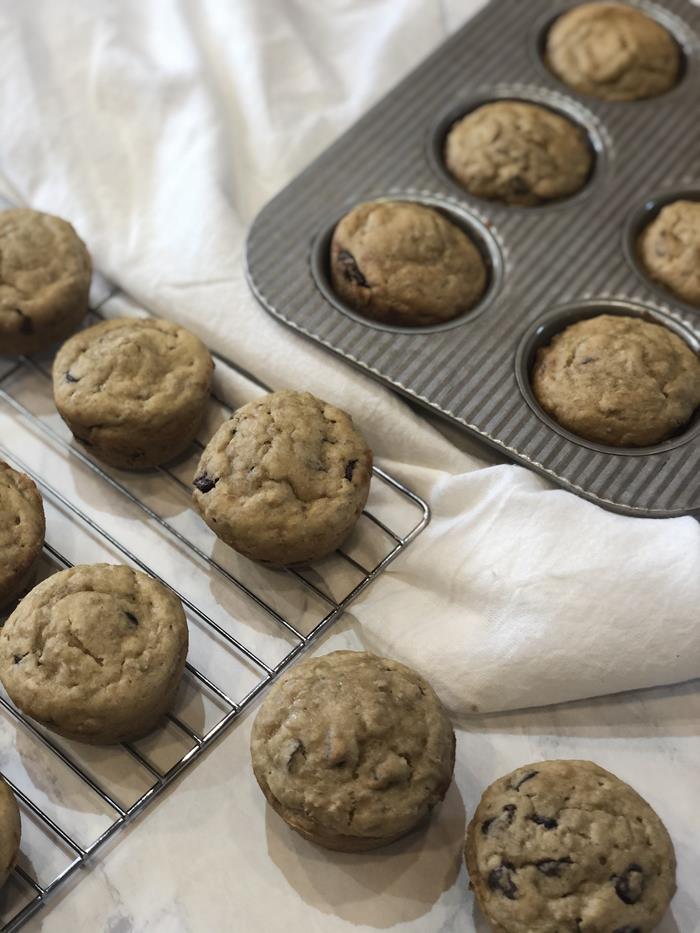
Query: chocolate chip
column 19, row 657
column 349, row 469
column 630, row 884
column 628, row 930
column 547, row 821
column 526, row 777
column 205, row 483
column 518, row 185
column 26, row 325
column 131, row 617
column 552, row 867
column 501, row 879
column 351, row 270
column 71, row 378
column 509, row 811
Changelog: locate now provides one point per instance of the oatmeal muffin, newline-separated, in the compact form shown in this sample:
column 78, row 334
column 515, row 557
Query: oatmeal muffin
column 519, row 153
column 404, row 263
column 352, row 750
column 612, row 51
column 567, row 847
column 10, row 831
column 95, row 653
column 133, row 390
column 22, row 528
column 618, row 380
column 285, row 479
column 669, row 248
column 45, row 275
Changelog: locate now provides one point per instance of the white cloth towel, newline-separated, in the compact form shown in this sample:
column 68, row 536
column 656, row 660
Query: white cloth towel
column 159, row 129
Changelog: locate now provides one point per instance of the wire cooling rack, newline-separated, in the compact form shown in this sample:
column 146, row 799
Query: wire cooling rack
column 74, row 797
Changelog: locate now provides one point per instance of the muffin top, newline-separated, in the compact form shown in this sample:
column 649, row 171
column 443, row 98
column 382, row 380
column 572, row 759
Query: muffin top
column 351, row 744
column 618, row 380
column 404, row 263
column 669, row 248
column 612, row 51
column 22, row 527
column 561, row 846
column 518, row 152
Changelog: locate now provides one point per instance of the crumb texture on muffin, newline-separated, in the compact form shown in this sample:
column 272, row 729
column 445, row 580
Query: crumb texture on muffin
column 352, row 750
column 612, row 51
column 45, row 273
column 406, row 264
column 95, row 652
column 518, row 152
column 669, row 248
column 22, row 528
column 618, row 380
column 285, row 479
column 133, row 390
column 566, row 847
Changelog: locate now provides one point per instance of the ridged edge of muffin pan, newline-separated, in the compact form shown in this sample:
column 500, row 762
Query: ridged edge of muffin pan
column 559, row 103
column 478, row 230
column 554, row 322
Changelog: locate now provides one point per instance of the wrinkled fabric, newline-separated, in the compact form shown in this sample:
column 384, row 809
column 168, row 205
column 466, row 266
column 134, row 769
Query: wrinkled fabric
column 160, row 129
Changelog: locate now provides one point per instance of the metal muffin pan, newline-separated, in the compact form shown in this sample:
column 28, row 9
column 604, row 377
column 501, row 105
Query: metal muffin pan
column 548, row 265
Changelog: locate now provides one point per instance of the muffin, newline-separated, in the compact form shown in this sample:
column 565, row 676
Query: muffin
column 22, row 528
column 567, row 847
column 405, row 264
column 133, row 390
column 285, row 479
column 10, row 831
column 617, row 380
column 353, row 751
column 95, row 653
column 45, row 275
column 519, row 153
column 612, row 51
column 669, row 248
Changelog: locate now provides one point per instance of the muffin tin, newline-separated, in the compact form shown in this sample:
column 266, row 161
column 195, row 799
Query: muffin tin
column 549, row 265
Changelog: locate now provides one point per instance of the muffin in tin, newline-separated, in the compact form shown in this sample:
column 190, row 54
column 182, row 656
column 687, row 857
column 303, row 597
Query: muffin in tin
column 669, row 249
column 404, row 263
column 518, row 152
column 618, row 380
column 612, row 51
column 352, row 750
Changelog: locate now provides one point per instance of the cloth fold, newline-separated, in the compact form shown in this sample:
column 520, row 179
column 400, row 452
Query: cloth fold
column 159, row 129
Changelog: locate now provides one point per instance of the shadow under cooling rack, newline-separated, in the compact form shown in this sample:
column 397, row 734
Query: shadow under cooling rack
column 247, row 622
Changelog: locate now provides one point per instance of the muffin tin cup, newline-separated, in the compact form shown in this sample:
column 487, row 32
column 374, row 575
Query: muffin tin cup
column 466, row 220
column 557, row 320
column 551, row 263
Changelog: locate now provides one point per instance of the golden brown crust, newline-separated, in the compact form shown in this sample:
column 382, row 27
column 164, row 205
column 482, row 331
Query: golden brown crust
column 566, row 847
column 618, row 380
column 95, row 653
column 22, row 528
column 403, row 263
column 133, row 390
column 45, row 273
column 352, row 750
column 612, row 51
column 10, row 831
column 285, row 479
column 519, row 153
column 669, row 248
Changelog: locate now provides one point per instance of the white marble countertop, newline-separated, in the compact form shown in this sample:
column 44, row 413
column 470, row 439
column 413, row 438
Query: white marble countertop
column 211, row 856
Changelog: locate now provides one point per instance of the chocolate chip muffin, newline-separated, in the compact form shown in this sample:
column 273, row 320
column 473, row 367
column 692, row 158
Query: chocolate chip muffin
column 133, row 390
column 612, row 51
column 10, row 831
column 404, row 263
column 285, row 479
column 669, row 248
column 618, row 380
column 567, row 847
column 45, row 274
column 22, row 528
column 519, row 153
column 352, row 750
column 95, row 653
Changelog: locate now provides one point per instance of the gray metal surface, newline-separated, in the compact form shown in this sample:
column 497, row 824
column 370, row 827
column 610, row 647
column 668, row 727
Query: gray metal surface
column 573, row 252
